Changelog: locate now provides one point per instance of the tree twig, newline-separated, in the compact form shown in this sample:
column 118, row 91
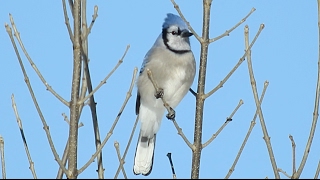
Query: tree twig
column 49, row 88
column 71, row 7
column 175, row 5
column 317, row 171
column 87, row 81
column 127, row 148
column 293, row 154
column 169, row 109
column 94, row 17
column 45, row 126
column 253, row 122
column 65, row 117
column 14, row 106
column 315, row 111
column 283, row 172
column 66, row 20
column 193, row 92
column 220, row 85
column 233, row 28
column 116, row 146
column 258, row 105
column 113, row 125
column 75, row 89
column 224, row 125
column 66, row 148
column 3, row 166
column 172, row 167
column 106, row 78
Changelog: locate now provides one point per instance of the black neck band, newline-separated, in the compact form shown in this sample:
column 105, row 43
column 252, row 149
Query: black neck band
column 165, row 41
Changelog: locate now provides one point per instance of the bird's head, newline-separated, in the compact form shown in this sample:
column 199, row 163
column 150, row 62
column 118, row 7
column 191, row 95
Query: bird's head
column 175, row 34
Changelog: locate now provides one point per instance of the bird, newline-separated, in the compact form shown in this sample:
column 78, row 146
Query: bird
column 172, row 65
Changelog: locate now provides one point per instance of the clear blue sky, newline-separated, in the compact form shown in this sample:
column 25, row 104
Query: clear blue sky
column 285, row 54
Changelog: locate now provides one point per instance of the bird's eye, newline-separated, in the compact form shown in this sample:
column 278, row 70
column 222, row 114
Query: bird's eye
column 173, row 33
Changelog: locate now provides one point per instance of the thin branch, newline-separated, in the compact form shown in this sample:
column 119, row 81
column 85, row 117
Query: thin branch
column 193, row 92
column 198, row 120
column 315, row 111
column 180, row 132
column 220, row 85
column 71, row 7
column 176, row 6
column 66, row 148
column 49, row 88
column 233, row 28
column 63, row 160
column 66, row 20
column 172, row 167
column 75, row 89
column 3, row 166
column 283, row 172
column 106, row 78
column 127, row 148
column 88, row 83
column 258, row 105
column 253, row 122
column 224, row 125
column 65, row 117
column 317, row 171
column 113, row 125
column 169, row 109
column 293, row 154
column 14, row 106
column 45, row 126
column 94, row 17
column 116, row 146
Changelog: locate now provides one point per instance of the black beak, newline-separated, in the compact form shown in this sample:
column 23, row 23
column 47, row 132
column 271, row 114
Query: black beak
column 186, row 33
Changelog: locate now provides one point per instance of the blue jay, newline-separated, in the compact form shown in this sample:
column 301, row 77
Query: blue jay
column 172, row 64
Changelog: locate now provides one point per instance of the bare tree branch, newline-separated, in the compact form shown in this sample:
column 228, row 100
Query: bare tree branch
column 293, row 154
column 283, row 172
column 127, row 148
column 65, row 117
column 253, row 122
column 169, row 109
column 175, row 5
column 3, row 166
column 14, row 106
column 233, row 28
column 197, row 140
column 71, row 7
column 317, row 171
column 66, row 20
column 220, row 85
column 63, row 160
column 256, row 98
column 315, row 111
column 106, row 78
column 193, row 92
column 66, row 149
column 45, row 126
column 116, row 146
column 172, row 167
column 113, row 125
column 49, row 88
column 94, row 17
column 92, row 103
column 224, row 125
column 74, row 106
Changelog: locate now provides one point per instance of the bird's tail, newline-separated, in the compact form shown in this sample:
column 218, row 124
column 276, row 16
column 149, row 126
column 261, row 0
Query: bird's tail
column 143, row 159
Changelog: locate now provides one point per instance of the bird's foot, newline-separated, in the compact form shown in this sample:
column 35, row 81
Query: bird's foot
column 159, row 93
column 171, row 114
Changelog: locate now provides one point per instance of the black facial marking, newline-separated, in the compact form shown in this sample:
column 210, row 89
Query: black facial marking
column 165, row 41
